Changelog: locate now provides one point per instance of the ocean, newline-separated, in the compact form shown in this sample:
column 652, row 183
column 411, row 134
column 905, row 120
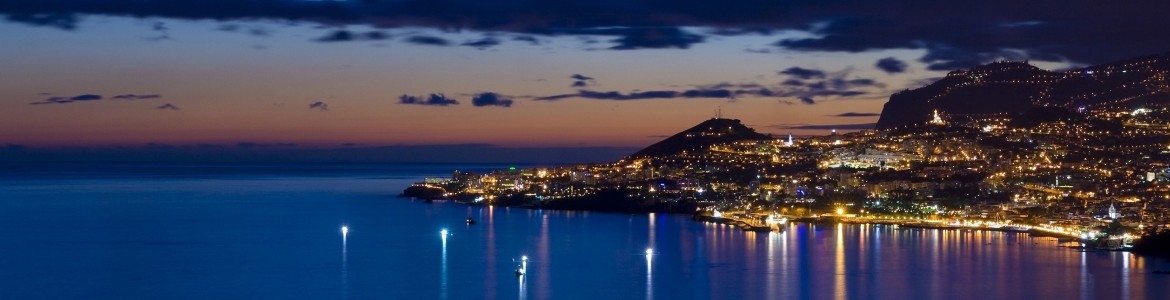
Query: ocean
column 259, row 231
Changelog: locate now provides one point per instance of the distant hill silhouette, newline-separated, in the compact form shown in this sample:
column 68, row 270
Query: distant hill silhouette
column 1011, row 88
column 709, row 132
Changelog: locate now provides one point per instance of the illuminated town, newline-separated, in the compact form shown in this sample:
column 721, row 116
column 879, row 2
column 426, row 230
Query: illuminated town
column 1089, row 173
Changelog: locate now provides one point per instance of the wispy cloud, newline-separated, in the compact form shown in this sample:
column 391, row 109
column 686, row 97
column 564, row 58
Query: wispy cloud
column 135, row 97
column 167, row 106
column 93, row 97
column 63, row 100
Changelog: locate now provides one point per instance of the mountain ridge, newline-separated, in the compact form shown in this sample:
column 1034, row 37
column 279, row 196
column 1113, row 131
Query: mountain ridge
column 1008, row 89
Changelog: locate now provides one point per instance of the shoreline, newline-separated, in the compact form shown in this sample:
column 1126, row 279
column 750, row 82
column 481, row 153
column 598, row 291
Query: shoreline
column 1032, row 232
column 749, row 226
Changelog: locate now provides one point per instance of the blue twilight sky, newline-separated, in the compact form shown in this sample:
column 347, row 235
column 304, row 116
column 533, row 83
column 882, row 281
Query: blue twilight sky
column 127, row 78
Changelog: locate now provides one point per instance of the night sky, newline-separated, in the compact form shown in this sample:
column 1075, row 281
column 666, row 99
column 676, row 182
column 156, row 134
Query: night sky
column 239, row 80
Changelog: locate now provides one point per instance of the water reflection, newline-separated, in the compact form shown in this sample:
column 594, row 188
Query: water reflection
column 1124, row 275
column 649, row 274
column 844, row 261
column 344, row 261
column 649, row 256
column 443, row 277
column 523, row 287
column 521, row 277
column 839, row 288
column 490, row 254
column 545, row 258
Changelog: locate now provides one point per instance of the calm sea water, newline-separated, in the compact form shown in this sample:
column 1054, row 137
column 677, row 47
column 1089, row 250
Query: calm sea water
column 273, row 232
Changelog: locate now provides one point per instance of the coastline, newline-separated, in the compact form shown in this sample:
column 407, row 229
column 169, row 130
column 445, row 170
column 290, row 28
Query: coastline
column 749, row 225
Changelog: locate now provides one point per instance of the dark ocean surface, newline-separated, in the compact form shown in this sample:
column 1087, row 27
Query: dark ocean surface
column 186, row 231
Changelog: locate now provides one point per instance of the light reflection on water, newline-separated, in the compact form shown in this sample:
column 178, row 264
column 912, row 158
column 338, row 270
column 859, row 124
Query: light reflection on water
column 275, row 238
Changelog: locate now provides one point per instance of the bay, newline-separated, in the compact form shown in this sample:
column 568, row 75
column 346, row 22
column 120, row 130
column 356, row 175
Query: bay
column 274, row 232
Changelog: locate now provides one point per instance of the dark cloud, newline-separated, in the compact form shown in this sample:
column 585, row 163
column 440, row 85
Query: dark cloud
column 626, row 37
column 319, row 105
column 793, row 82
column 807, row 84
column 490, row 99
column 337, row 36
column 349, row 36
column 48, row 18
column 86, row 97
column 135, row 97
column 803, row 73
column 743, row 31
column 483, row 43
column 652, row 38
column 836, row 84
column 582, row 80
column 167, row 106
column 856, row 114
column 14, row 147
column 436, row 99
column 825, row 127
column 729, row 85
column 428, row 40
column 891, row 65
column 707, row 94
column 954, row 34
column 643, row 95
column 63, row 100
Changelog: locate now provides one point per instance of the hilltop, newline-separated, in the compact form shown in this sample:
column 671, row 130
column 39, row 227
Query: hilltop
column 709, row 132
column 1007, row 89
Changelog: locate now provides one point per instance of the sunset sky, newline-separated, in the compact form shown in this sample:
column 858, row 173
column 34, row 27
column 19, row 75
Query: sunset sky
column 511, row 74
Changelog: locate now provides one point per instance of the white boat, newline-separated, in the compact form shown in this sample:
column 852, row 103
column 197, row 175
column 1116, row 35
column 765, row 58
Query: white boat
column 523, row 267
column 776, row 222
